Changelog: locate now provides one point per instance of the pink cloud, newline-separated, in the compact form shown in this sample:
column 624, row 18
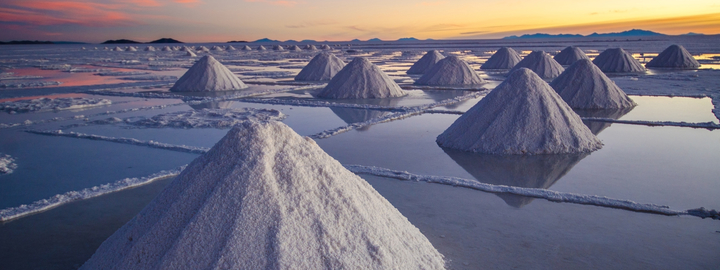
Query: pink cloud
column 64, row 12
column 284, row 3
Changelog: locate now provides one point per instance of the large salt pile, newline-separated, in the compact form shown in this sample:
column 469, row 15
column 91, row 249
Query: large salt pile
column 149, row 49
column 278, row 48
column 584, row 86
column 504, row 58
column 569, row 55
column 450, row 71
column 426, row 62
column 266, row 198
column 208, row 75
column 361, row 79
column 325, row 47
column 246, row 48
column 541, row 63
column 674, row 56
column 617, row 60
column 191, row 54
column 321, row 68
column 261, row 48
column 522, row 115
column 230, row 48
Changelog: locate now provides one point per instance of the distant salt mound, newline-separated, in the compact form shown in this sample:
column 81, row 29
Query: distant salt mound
column 450, row 71
column 261, row 48
column 185, row 49
column 246, row 48
column 311, row 48
column 321, row 68
column 202, row 49
column 295, row 48
column 217, row 48
column 118, row 49
column 278, row 48
column 522, row 115
column 266, row 198
column 131, row 49
column 674, row 56
column 584, row 86
column 361, row 79
column 166, row 49
column 325, row 47
column 426, row 62
column 149, row 49
column 569, row 55
column 617, row 60
column 541, row 63
column 230, row 48
column 208, row 75
column 504, row 58
column 191, row 54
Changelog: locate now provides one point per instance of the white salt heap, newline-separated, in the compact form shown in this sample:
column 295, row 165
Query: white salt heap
column 207, row 74
column 321, row 68
column 426, row 62
column 166, row 49
column 295, row 48
column 230, row 48
column 569, row 55
column 149, row 49
column 584, row 86
column 266, row 198
column 504, row 58
column 278, row 48
column 311, row 48
column 361, row 79
column 217, row 48
column 450, row 71
column 246, row 48
column 522, row 115
column 202, row 49
column 261, row 48
column 674, row 56
column 325, row 47
column 617, row 60
column 191, row 54
column 131, row 49
column 541, row 63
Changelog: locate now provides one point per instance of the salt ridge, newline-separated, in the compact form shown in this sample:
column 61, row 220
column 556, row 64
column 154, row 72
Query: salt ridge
column 131, row 141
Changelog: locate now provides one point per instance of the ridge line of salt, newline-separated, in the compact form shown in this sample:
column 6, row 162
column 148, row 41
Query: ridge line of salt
column 132, row 141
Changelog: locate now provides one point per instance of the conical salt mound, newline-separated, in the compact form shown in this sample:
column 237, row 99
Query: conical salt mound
column 295, row 48
column 426, row 62
column 321, row 68
column 166, row 49
column 674, row 56
column 278, row 48
column 542, row 63
column 522, row 115
column 246, row 48
column 266, row 198
column 361, row 79
column 208, row 75
column 325, row 47
column 584, row 86
column 261, row 48
column 131, row 49
column 217, row 48
column 504, row 58
column 450, row 71
column 569, row 55
column 311, row 48
column 617, row 60
column 185, row 49
column 191, row 54
column 149, row 49
column 230, row 48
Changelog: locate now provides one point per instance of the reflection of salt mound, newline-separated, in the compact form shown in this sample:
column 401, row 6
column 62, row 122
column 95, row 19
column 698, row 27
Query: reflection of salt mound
column 584, row 86
column 426, row 62
column 617, row 60
column 246, row 48
column 321, row 68
column 325, row 47
column 261, row 48
column 450, row 71
column 361, row 79
column 674, row 56
column 504, row 58
column 191, row 54
column 149, row 49
column 522, row 115
column 541, row 63
column 208, row 75
column 527, row 171
column 569, row 55
column 278, row 48
column 597, row 126
column 266, row 198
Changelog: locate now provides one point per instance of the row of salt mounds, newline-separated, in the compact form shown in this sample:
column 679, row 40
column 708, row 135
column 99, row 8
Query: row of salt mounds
column 450, row 71
column 522, row 115
column 205, row 118
column 361, row 79
column 48, row 104
column 504, row 58
column 570, row 55
column 321, row 68
column 541, row 63
column 208, row 75
column 584, row 86
column 266, row 198
column 7, row 164
column 426, row 62
column 617, row 60
column 674, row 56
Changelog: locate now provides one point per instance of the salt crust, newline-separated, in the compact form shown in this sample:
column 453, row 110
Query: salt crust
column 450, row 71
column 426, row 62
column 48, row 104
column 675, row 56
column 541, row 63
column 321, row 68
column 265, row 197
column 584, row 86
column 569, row 55
column 617, row 60
column 361, row 79
column 204, row 118
column 522, row 115
column 207, row 75
column 504, row 58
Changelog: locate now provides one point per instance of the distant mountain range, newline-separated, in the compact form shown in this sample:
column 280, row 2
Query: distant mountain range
column 629, row 33
column 165, row 40
column 266, row 40
column 24, row 42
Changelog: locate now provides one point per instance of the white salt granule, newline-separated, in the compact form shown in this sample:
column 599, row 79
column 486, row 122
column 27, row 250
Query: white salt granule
column 674, row 56
column 569, row 55
column 208, row 75
column 617, row 60
column 321, row 68
column 450, row 71
column 426, row 62
column 541, row 63
column 584, row 86
column 361, row 79
column 504, row 58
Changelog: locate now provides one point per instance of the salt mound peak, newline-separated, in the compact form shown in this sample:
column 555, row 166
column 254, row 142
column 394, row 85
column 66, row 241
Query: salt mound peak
column 230, row 48
column 541, row 63
column 361, row 79
column 278, row 48
column 321, row 68
column 261, row 48
column 584, row 86
column 617, row 60
column 426, row 62
column 522, row 115
column 202, row 49
column 569, row 55
column 450, row 71
column 675, row 56
column 311, row 48
column 504, row 58
column 246, row 48
column 265, row 197
column 208, row 75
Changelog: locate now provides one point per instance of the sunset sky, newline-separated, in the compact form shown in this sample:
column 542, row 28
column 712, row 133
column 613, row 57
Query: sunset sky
column 224, row 20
